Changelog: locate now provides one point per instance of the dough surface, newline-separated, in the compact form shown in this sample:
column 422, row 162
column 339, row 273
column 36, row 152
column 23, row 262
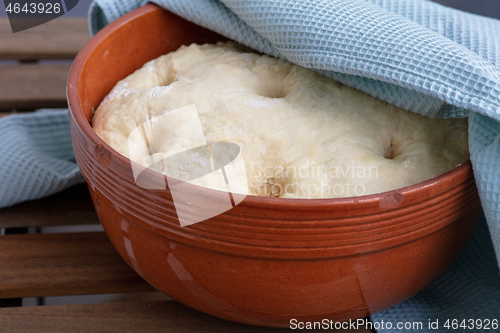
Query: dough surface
column 301, row 135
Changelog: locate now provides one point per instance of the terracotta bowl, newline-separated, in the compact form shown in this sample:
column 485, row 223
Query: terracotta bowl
column 267, row 260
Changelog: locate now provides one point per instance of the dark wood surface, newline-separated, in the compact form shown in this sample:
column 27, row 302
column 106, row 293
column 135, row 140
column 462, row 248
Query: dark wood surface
column 33, row 86
column 36, row 265
column 155, row 316
column 71, row 207
column 58, row 39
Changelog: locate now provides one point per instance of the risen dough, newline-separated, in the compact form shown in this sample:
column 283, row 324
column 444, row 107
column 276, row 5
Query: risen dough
column 301, row 135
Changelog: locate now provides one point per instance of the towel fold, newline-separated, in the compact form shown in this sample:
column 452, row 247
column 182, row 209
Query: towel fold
column 37, row 156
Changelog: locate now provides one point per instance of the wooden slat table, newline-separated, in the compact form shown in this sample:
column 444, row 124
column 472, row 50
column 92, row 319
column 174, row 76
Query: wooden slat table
column 76, row 257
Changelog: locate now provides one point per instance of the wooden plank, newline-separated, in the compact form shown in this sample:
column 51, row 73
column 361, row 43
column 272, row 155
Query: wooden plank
column 161, row 316
column 69, row 207
column 32, row 86
column 61, row 38
column 36, row 265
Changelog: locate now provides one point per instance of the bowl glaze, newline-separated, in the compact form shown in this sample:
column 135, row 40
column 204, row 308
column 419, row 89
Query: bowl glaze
column 267, row 260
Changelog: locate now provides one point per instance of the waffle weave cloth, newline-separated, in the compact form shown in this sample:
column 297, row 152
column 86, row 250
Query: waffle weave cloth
column 36, row 156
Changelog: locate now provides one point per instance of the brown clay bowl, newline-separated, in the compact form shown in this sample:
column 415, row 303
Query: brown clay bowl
column 268, row 260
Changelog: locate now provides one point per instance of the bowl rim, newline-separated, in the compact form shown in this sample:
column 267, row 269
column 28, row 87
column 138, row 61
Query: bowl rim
column 76, row 112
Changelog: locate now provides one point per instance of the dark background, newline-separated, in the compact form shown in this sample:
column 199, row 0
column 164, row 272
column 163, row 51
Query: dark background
column 489, row 8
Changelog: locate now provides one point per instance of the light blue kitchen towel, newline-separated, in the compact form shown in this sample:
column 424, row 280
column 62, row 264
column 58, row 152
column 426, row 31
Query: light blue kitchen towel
column 416, row 54
column 36, row 156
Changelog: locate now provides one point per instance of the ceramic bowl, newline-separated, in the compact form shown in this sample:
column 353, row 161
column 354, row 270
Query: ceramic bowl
column 267, row 260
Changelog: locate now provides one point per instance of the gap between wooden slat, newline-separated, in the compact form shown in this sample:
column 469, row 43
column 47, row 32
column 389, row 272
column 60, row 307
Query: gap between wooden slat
column 36, row 265
column 32, row 86
column 147, row 296
column 61, row 38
